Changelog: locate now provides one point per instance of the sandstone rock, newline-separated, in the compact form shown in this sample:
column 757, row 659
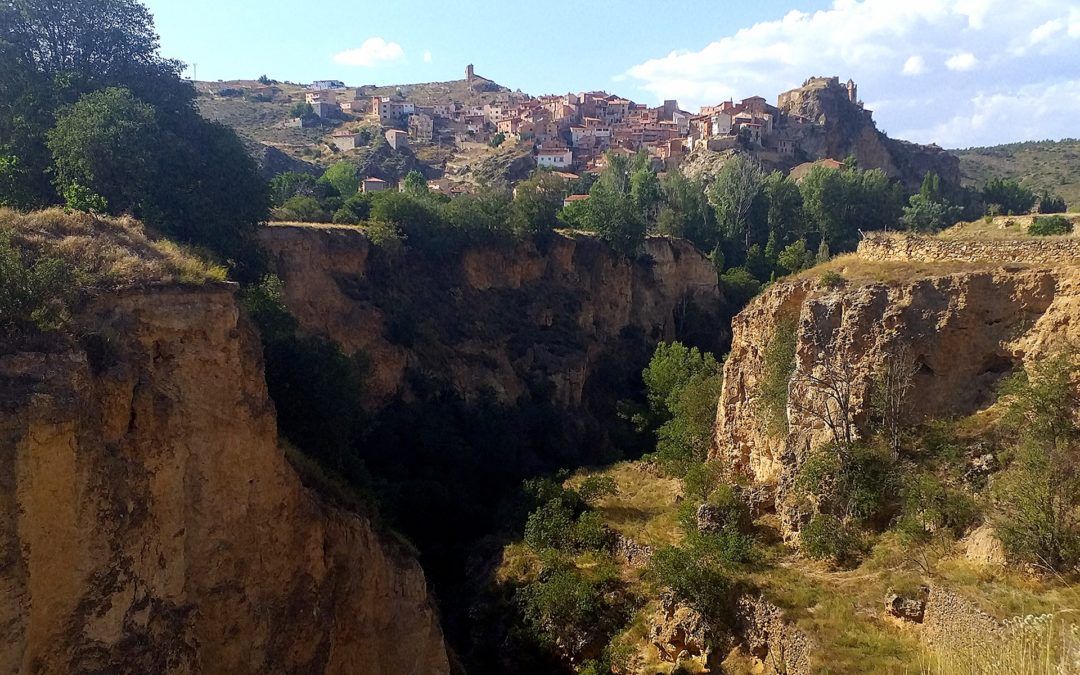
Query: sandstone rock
column 982, row 546
column 967, row 331
column 680, row 632
column 907, row 609
column 149, row 522
column 768, row 636
column 519, row 314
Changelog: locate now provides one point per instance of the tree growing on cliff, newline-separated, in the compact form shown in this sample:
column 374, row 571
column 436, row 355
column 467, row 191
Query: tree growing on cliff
column 69, row 63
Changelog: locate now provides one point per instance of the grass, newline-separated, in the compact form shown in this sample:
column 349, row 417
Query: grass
column 1004, row 227
column 645, row 508
column 856, row 270
column 105, row 253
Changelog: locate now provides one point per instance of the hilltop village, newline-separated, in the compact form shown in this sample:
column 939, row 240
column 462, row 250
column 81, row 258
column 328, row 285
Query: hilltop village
column 454, row 128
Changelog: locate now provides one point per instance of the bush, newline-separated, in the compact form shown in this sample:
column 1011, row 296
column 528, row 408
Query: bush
column 692, row 579
column 779, row 365
column 590, row 533
column 1040, row 490
column 550, row 526
column 739, row 286
column 827, row 537
column 831, row 279
column 594, row 488
column 34, row 295
column 931, row 505
column 568, row 607
column 1044, row 226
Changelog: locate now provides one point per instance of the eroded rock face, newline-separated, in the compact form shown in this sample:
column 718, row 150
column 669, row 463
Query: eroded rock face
column 502, row 317
column 150, row 523
column 907, row 608
column 772, row 639
column 964, row 331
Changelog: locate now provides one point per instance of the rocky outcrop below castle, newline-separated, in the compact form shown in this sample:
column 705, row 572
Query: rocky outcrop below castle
column 825, row 122
column 150, row 522
column 963, row 331
column 502, row 317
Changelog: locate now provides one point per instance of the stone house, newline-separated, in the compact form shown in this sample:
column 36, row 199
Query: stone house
column 398, row 139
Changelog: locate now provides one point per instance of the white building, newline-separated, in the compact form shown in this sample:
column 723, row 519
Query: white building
column 558, row 158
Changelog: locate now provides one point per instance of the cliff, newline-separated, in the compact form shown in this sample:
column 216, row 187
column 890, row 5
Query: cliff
column 825, row 123
column 964, row 325
column 496, row 316
column 150, row 523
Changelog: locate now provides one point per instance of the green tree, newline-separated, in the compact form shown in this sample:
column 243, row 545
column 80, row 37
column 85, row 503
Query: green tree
column 646, row 193
column 796, row 257
column 536, row 204
column 344, row 177
column 415, row 184
column 1040, row 490
column 733, row 194
column 612, row 215
column 301, row 109
column 1008, row 195
column 787, row 220
column 104, row 143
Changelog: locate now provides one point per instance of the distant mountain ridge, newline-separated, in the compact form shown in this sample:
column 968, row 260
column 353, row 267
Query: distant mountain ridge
column 1053, row 166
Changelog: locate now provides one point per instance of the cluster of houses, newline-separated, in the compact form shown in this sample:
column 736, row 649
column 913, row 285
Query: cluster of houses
column 576, row 132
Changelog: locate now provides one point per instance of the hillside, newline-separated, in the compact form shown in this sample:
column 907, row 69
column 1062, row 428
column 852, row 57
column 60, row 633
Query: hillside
column 1038, row 165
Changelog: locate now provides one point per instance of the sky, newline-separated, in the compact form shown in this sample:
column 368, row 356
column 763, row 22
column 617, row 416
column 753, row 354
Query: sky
column 959, row 73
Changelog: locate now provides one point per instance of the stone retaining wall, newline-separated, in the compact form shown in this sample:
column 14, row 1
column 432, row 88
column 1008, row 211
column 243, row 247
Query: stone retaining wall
column 921, row 248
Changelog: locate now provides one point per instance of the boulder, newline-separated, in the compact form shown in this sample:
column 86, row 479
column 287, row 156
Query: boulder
column 905, row 608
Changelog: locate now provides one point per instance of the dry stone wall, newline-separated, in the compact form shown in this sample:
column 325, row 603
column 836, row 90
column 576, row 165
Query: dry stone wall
column 920, row 248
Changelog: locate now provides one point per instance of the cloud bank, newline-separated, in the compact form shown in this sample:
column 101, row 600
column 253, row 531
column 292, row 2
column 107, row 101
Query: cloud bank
column 932, row 70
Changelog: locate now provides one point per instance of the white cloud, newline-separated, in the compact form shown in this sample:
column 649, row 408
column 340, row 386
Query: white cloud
column 961, row 62
column 872, row 41
column 1047, row 110
column 915, row 65
column 373, row 52
column 427, row 56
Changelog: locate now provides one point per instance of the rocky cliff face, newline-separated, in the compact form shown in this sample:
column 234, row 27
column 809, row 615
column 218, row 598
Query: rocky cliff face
column 965, row 331
column 150, row 523
column 837, row 127
column 498, row 317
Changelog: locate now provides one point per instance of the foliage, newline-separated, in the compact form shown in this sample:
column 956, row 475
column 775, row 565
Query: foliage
column 536, row 203
column 315, row 387
column 831, row 279
column 566, row 605
column 796, row 257
column 922, row 214
column 301, row 109
column 1044, row 226
column 696, row 580
column 840, row 203
column 778, row 366
column 88, row 100
column 827, row 537
column 597, row 487
column 1040, row 490
column 612, row 215
column 862, row 487
column 1008, row 196
column 1049, row 203
column 733, row 195
column 932, row 505
column 497, row 140
column 35, row 294
column 739, row 285
column 302, row 209
column 344, row 178
column 384, row 235
column 414, row 184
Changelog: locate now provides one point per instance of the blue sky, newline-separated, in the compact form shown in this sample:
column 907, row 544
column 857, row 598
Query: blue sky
column 958, row 72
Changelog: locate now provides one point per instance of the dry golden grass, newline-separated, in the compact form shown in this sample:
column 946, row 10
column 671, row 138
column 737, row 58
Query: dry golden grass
column 645, row 508
column 1004, row 227
column 106, row 253
column 858, row 271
